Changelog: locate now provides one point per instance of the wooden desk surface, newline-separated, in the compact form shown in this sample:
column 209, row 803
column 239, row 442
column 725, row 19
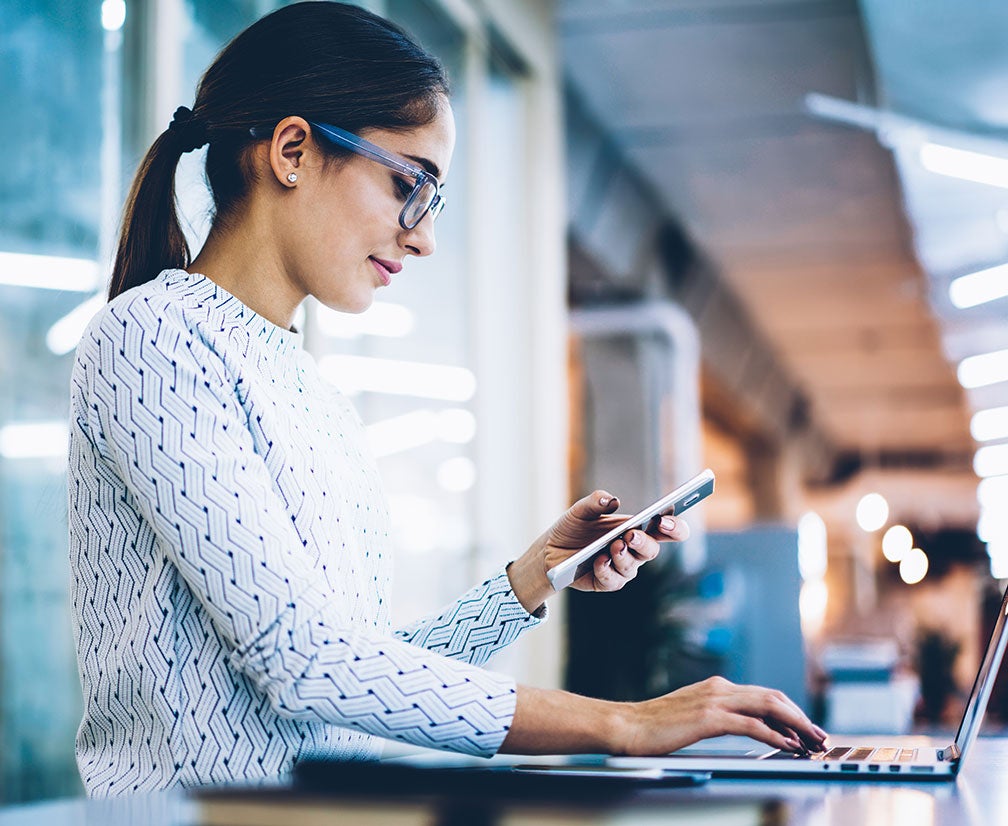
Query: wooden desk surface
column 979, row 797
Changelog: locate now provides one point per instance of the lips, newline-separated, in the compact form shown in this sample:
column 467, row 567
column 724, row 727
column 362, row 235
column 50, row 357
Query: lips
column 386, row 269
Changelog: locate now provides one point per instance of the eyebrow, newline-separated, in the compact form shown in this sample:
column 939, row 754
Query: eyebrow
column 429, row 165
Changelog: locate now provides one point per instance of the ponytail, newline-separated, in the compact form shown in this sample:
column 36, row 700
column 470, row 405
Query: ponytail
column 151, row 238
column 325, row 61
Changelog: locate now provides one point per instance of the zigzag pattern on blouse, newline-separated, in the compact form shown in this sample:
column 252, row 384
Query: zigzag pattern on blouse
column 229, row 585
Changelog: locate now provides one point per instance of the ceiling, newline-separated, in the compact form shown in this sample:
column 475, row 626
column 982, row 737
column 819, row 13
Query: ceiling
column 816, row 210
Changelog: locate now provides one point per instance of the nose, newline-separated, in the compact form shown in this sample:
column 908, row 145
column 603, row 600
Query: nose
column 420, row 240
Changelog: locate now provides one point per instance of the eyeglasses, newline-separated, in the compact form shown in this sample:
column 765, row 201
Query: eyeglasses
column 424, row 197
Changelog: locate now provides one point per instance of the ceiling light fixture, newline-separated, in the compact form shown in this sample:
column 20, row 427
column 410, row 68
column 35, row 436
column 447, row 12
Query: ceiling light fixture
column 66, row 333
column 812, row 546
column 419, row 428
column 990, row 424
column 992, row 492
column 113, row 15
column 992, row 525
column 872, row 512
column 965, row 164
column 914, row 566
column 457, row 475
column 998, row 553
column 48, row 272
column 896, row 543
column 34, row 440
column 984, row 369
column 991, row 460
column 359, row 374
column 979, row 287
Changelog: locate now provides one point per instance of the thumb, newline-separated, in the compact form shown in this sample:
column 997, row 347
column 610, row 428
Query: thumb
column 594, row 505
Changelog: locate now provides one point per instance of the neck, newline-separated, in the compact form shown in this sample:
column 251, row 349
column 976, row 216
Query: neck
column 247, row 267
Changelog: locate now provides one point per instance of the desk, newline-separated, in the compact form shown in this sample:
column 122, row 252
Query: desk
column 978, row 798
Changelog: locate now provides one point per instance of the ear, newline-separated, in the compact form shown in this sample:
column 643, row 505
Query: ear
column 286, row 152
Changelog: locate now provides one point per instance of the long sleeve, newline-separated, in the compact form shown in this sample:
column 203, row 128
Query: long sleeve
column 174, row 446
column 473, row 628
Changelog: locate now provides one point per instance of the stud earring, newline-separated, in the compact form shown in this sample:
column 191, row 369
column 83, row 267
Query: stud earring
column 292, row 177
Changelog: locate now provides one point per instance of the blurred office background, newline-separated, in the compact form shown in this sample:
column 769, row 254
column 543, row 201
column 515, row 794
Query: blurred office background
column 765, row 236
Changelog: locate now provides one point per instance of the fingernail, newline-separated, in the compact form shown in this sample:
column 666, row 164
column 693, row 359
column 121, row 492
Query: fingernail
column 668, row 524
column 635, row 540
column 603, row 501
column 794, row 744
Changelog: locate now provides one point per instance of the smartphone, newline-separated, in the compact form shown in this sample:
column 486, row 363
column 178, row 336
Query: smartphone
column 685, row 496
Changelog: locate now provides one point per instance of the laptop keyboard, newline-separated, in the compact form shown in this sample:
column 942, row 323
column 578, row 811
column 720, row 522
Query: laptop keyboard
column 852, row 754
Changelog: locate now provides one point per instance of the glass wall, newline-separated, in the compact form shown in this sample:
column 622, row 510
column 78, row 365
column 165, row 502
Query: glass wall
column 94, row 82
column 50, row 225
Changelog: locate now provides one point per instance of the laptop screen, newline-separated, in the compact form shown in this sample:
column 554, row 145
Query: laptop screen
column 984, row 683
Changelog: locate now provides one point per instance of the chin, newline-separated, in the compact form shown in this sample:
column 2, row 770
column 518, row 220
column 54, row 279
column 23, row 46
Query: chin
column 353, row 304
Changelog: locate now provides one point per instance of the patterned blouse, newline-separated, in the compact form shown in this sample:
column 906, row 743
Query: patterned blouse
column 228, row 545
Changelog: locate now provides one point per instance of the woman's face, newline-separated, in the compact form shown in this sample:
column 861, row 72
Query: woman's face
column 346, row 242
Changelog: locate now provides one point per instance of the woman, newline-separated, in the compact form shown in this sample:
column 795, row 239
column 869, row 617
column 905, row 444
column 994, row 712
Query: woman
column 228, row 530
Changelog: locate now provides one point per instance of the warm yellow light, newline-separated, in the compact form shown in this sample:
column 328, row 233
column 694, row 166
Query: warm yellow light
column 812, row 600
column 896, row 543
column 914, row 566
column 872, row 512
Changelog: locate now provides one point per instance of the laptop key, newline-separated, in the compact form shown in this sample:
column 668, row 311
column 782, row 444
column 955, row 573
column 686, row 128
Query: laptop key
column 885, row 755
column 907, row 755
column 788, row 755
column 836, row 753
column 860, row 753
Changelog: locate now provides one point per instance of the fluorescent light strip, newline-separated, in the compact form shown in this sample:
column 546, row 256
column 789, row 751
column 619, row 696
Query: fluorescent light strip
column 421, row 427
column 380, row 319
column 979, row 287
column 402, row 433
column 992, row 492
column 113, row 15
column 991, row 461
column 992, row 525
column 998, row 553
column 990, row 424
column 358, row 374
column 66, row 333
column 456, row 475
column 48, row 272
column 34, row 440
column 965, row 164
column 987, row 368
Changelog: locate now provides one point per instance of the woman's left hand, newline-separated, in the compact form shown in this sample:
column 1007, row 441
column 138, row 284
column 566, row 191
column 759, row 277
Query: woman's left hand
column 584, row 522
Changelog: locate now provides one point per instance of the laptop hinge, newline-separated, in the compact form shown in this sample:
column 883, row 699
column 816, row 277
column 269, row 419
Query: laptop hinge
column 949, row 753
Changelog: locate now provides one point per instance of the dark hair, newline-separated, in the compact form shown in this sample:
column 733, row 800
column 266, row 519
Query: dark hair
column 324, row 61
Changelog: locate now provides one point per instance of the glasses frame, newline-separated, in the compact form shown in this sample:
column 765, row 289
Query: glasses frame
column 360, row 146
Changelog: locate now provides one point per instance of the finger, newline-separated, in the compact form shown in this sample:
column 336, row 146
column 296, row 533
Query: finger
column 759, row 730
column 776, row 707
column 643, row 547
column 816, row 742
column 622, row 558
column 607, row 578
column 670, row 529
column 585, row 520
column 789, row 733
column 594, row 505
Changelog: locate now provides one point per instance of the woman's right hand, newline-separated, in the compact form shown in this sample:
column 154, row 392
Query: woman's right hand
column 715, row 707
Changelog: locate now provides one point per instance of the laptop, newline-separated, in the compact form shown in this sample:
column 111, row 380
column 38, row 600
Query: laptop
column 884, row 758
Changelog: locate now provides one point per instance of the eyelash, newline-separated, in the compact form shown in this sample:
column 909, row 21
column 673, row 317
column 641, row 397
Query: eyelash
column 402, row 187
